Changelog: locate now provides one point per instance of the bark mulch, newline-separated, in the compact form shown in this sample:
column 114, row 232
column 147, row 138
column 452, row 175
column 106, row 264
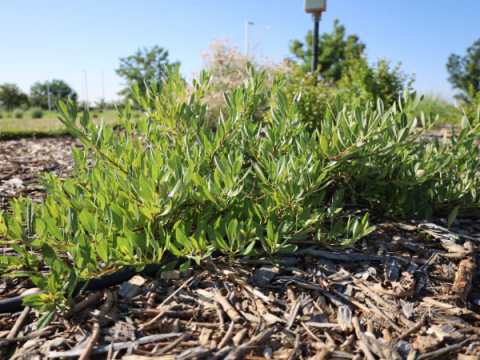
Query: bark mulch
column 22, row 160
column 407, row 291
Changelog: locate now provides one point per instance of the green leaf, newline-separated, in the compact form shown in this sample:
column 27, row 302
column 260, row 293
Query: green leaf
column 288, row 249
column 182, row 238
column 46, row 319
column 86, row 119
column 248, row 249
column 40, row 281
column 53, row 281
column 72, row 282
column 146, row 189
column 220, row 166
column 259, row 173
column 228, row 181
column 48, row 253
column 52, row 228
column 82, row 253
column 88, row 221
column 102, row 248
column 452, row 217
column 274, row 263
column 30, row 212
column 185, row 266
column 270, row 232
column 10, row 260
column 167, row 267
column 34, row 300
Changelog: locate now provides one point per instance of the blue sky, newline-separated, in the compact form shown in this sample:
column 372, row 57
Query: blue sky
column 42, row 40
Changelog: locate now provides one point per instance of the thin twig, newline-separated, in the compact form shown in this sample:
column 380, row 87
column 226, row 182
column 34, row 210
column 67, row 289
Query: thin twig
column 82, row 305
column 19, row 323
column 227, row 336
column 164, row 303
column 173, row 344
column 96, row 326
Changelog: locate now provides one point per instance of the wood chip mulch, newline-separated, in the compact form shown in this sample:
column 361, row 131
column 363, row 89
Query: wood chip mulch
column 407, row 291
column 22, row 160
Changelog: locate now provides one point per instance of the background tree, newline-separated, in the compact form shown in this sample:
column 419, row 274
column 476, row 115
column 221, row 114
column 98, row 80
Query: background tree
column 334, row 52
column 465, row 72
column 362, row 82
column 143, row 65
column 100, row 105
column 59, row 90
column 12, row 96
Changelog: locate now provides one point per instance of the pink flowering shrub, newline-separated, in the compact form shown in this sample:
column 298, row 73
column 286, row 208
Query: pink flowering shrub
column 225, row 61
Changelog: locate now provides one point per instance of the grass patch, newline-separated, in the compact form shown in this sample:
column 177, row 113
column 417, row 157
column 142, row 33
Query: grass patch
column 48, row 126
column 434, row 103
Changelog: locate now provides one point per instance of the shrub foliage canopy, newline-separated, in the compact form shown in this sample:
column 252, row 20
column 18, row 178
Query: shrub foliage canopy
column 168, row 183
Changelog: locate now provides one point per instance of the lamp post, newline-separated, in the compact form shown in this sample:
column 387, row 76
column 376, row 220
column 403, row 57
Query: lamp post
column 316, row 7
column 49, row 101
column 83, row 94
column 316, row 19
column 103, row 91
column 246, row 35
column 86, row 89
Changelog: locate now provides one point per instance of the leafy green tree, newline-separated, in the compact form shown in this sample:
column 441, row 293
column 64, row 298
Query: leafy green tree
column 465, row 71
column 362, row 82
column 334, row 52
column 142, row 66
column 472, row 107
column 12, row 96
column 59, row 90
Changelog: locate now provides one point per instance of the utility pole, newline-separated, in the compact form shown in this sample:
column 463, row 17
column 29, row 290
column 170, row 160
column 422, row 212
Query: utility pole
column 83, row 94
column 49, row 101
column 315, row 7
column 86, row 89
column 103, row 91
column 246, row 35
column 316, row 19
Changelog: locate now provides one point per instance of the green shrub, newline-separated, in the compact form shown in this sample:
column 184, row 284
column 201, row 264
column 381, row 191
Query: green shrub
column 18, row 114
column 1, row 116
column 315, row 94
column 361, row 82
column 472, row 107
column 435, row 104
column 168, row 185
column 94, row 115
column 36, row 113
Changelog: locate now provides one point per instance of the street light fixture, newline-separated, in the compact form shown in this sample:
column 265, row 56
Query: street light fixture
column 316, row 7
column 49, row 101
column 86, row 90
column 83, row 94
column 246, row 35
column 103, row 91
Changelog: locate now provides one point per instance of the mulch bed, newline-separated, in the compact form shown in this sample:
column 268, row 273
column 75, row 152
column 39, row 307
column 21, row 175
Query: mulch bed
column 407, row 291
column 22, row 160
